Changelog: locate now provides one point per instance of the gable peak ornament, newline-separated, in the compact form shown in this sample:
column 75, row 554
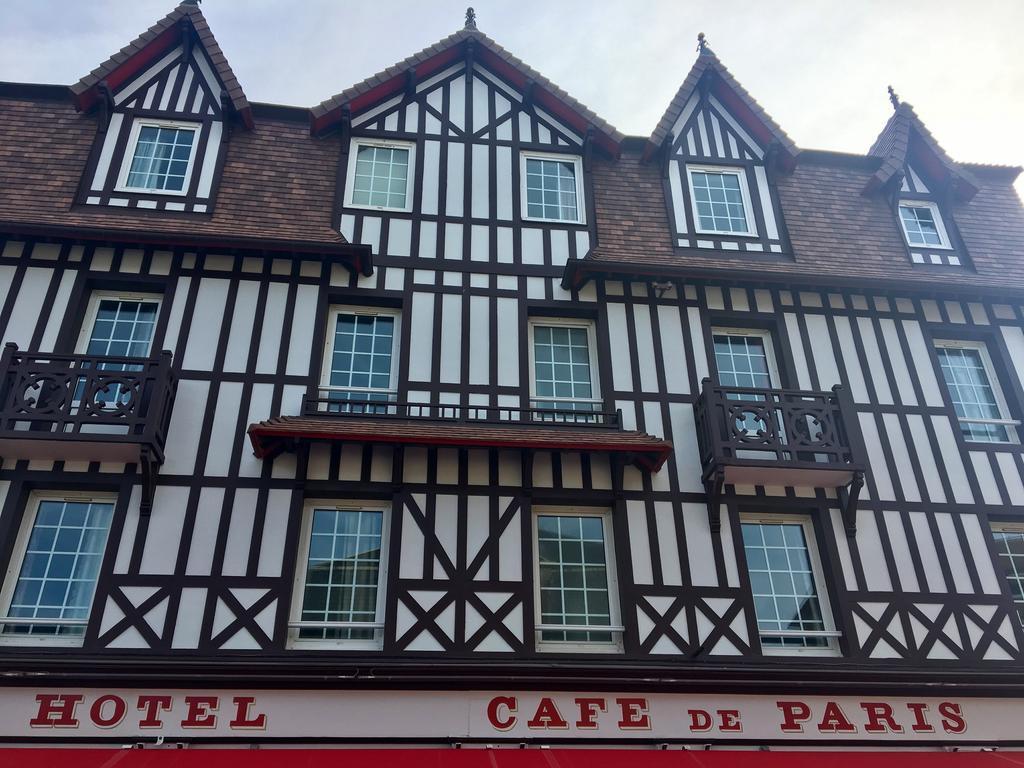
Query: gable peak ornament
column 470, row 18
column 702, row 43
column 894, row 98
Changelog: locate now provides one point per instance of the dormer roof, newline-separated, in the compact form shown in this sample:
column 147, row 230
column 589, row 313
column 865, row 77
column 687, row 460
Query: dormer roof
column 709, row 70
column 171, row 31
column 444, row 53
column 905, row 139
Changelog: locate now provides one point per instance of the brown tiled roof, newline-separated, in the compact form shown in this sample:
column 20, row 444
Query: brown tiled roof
column 894, row 144
column 271, row 437
column 398, row 71
column 708, row 61
column 839, row 236
column 276, row 190
column 154, row 36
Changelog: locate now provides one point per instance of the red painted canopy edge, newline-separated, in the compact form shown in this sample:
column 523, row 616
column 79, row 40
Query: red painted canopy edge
column 271, row 437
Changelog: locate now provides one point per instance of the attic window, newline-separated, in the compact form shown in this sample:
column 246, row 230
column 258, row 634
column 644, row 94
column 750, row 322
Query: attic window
column 721, row 200
column 552, row 188
column 379, row 175
column 161, row 159
column 922, row 224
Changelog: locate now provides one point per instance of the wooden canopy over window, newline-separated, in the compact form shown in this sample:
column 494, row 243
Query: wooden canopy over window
column 270, row 438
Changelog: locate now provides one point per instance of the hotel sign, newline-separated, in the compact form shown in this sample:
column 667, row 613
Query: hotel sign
column 124, row 713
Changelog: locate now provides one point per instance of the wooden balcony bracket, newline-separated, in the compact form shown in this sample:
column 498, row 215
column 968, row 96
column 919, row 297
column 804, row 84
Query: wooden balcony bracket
column 848, row 497
column 149, row 466
column 713, row 485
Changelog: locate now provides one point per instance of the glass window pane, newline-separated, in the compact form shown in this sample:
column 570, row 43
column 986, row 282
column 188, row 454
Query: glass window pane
column 566, row 384
column 381, row 177
column 972, row 393
column 551, row 189
column 160, row 160
column 719, row 200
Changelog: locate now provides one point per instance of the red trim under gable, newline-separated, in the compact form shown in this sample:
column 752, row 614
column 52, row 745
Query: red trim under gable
column 132, row 66
column 436, row 63
column 494, row 758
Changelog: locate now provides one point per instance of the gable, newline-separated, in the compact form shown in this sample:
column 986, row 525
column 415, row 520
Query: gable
column 706, row 130
column 181, row 83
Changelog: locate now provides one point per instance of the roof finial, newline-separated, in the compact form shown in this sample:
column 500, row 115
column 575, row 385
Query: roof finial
column 702, row 43
column 894, row 98
column 470, row 18
column 191, row 2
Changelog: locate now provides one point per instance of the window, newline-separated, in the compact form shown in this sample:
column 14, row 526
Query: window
column 562, row 355
column 49, row 586
column 721, row 201
column 380, row 175
column 575, row 578
column 552, row 189
column 339, row 587
column 974, row 390
column 119, row 325
column 161, row 158
column 1010, row 548
column 922, row 224
column 361, row 358
column 792, row 611
column 744, row 358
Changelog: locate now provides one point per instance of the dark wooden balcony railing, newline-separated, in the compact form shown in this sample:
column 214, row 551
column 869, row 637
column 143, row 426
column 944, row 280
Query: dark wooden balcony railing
column 323, row 403
column 86, row 407
column 779, row 437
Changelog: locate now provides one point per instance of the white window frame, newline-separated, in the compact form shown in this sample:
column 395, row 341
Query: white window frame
column 350, row 172
column 616, row 628
column 93, row 307
column 748, row 208
column 302, row 562
column 1004, row 527
column 940, row 226
column 132, row 146
column 769, row 350
column 396, row 345
column 566, row 322
column 1005, row 417
column 830, row 632
column 581, row 203
column 17, row 560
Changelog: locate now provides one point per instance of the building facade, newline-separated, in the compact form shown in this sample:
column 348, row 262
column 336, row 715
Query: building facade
column 444, row 415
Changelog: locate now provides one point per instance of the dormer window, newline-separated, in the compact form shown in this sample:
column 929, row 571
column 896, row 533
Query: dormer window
column 162, row 158
column 721, row 200
column 922, row 224
column 379, row 175
column 552, row 188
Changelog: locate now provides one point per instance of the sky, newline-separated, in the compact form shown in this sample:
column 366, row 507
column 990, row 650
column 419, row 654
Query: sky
column 819, row 67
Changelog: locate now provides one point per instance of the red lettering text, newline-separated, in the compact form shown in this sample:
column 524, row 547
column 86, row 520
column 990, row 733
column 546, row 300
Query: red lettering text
column 793, row 714
column 243, row 718
column 634, row 714
column 700, row 720
column 880, row 718
column 921, row 724
column 494, row 707
column 116, row 714
column 730, row 721
column 56, row 710
column 200, row 712
column 834, row 720
column 547, row 716
column 952, row 717
column 152, row 705
column 589, row 709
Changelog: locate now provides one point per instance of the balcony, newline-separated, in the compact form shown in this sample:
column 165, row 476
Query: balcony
column 86, row 408
column 330, row 418
column 779, row 437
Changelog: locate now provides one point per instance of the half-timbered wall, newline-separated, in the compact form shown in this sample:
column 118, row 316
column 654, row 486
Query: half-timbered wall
column 211, row 570
column 706, row 134
column 180, row 87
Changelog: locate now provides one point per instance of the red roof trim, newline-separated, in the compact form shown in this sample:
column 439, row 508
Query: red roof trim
column 132, row 66
column 268, row 440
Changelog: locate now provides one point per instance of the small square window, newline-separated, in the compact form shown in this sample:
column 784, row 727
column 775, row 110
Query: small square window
column 161, row 159
column 974, row 390
column 380, row 175
column 922, row 225
column 339, row 584
column 785, row 575
column 721, row 201
column 1010, row 550
column 575, row 589
column 48, row 594
column 552, row 189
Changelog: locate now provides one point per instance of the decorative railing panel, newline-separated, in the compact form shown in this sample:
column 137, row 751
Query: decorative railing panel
column 86, row 398
column 322, row 403
column 791, row 428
